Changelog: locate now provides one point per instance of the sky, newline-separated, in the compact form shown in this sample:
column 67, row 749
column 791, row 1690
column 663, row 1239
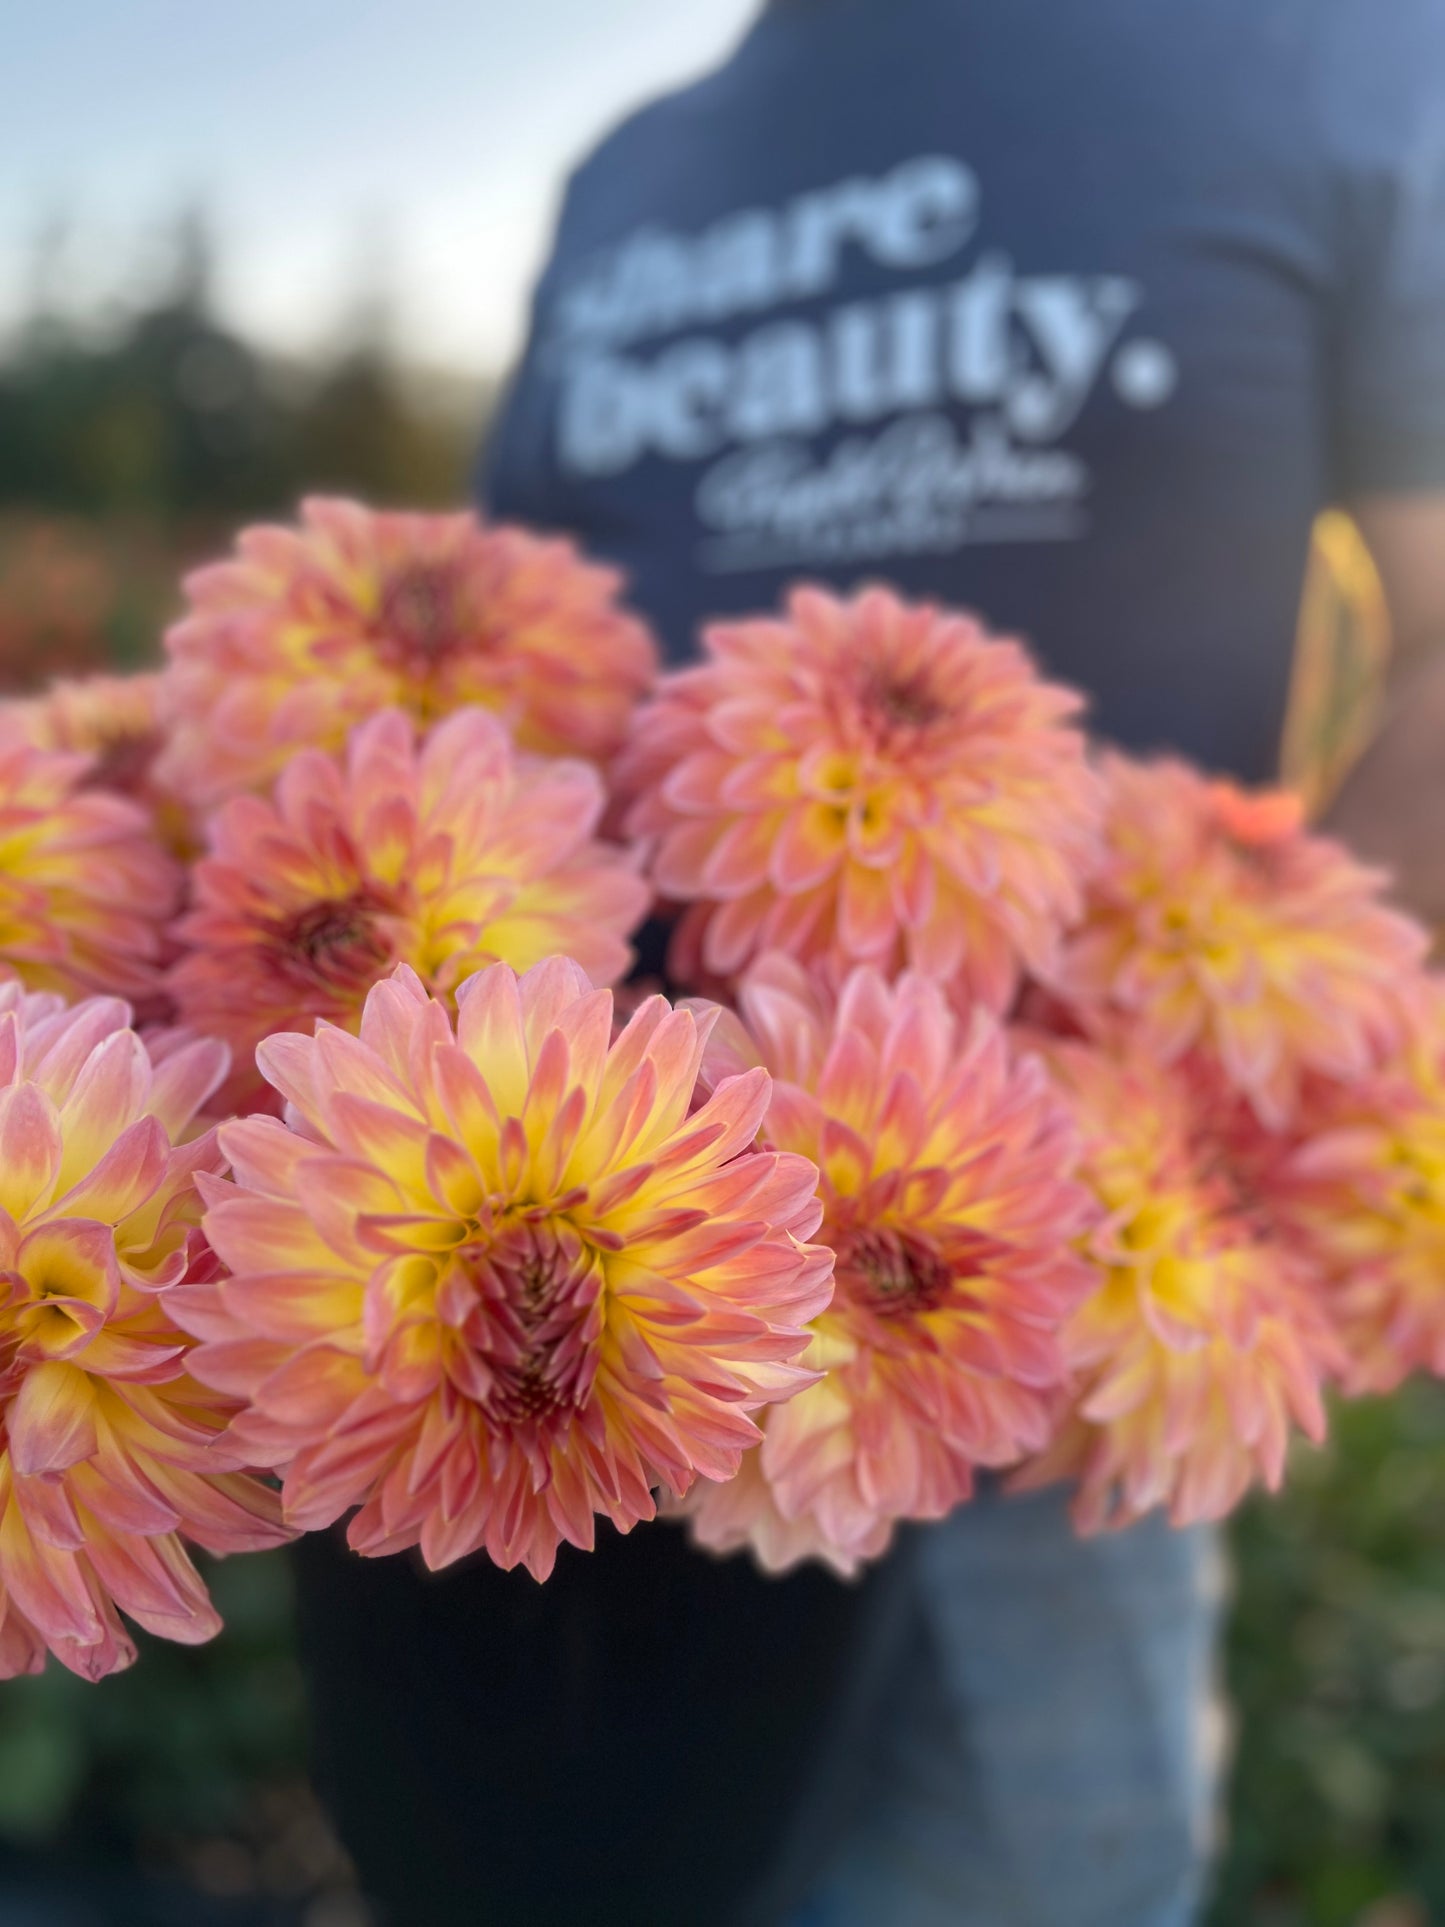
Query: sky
column 335, row 144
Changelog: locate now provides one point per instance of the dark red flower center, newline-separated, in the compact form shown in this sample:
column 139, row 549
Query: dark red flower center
column 534, row 1316
column 893, row 1273
column 898, row 706
column 336, row 942
column 124, row 763
column 421, row 619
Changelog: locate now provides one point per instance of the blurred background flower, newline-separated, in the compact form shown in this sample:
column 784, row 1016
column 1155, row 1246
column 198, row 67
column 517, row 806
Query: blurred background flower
column 939, row 1153
column 307, row 630
column 442, row 849
column 829, row 782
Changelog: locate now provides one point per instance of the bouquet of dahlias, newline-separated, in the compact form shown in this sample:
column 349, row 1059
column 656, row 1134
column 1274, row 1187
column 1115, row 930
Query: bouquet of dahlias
column 1019, row 1109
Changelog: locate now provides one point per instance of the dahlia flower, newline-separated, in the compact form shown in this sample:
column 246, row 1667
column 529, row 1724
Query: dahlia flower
column 445, row 853
column 85, row 889
column 108, row 717
column 743, row 1515
column 1219, row 925
column 494, row 1278
column 306, row 631
column 946, row 1200
column 115, row 721
column 1362, row 1190
column 1203, row 1340
column 107, row 1445
column 864, row 781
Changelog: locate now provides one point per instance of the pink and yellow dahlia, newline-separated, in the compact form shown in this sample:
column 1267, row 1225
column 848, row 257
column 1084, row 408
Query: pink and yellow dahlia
column 948, row 1204
column 1220, row 926
column 864, row 781
column 108, row 1453
column 446, row 853
column 1204, row 1340
column 496, row 1276
column 1362, row 1191
column 114, row 719
column 307, row 631
column 85, row 889
column 744, row 1515
column 116, row 722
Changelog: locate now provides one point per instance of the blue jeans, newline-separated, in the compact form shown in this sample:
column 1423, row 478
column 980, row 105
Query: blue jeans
column 1043, row 1752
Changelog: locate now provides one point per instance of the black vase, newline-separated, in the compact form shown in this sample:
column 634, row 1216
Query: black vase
column 651, row 1737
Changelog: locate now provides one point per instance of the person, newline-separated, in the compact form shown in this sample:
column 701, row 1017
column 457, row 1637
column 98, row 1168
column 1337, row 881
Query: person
column 1075, row 316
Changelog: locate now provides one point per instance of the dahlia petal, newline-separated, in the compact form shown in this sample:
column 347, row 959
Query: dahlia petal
column 255, row 1234
column 123, row 1178
column 48, row 1585
column 51, row 1423
column 491, row 1030
column 98, row 1659
column 226, row 1513
column 164, row 1595
column 133, row 1361
column 865, row 913
column 288, row 1063
column 191, row 1070
column 118, row 1497
column 109, row 1092
column 264, row 1155
column 30, row 1149
column 315, row 1386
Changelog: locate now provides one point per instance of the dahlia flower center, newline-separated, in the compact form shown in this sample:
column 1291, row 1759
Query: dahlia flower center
column 57, row 1309
column 532, row 1321
column 900, row 705
column 893, row 1273
column 420, row 620
column 1420, row 1168
column 17, row 1323
column 338, row 939
column 125, row 761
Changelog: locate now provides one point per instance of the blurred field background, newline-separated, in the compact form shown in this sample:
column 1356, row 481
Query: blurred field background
column 177, row 1793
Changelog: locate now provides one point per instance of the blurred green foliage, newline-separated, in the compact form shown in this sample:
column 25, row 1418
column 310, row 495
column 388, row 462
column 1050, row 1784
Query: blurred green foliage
column 174, row 1747
column 1336, row 1668
column 172, row 416
column 77, row 594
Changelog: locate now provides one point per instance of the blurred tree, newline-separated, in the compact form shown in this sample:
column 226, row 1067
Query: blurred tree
column 368, row 425
column 172, row 416
column 126, row 457
column 178, row 419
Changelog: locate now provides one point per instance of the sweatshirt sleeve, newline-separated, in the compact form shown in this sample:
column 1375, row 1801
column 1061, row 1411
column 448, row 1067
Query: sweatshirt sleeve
column 1383, row 107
